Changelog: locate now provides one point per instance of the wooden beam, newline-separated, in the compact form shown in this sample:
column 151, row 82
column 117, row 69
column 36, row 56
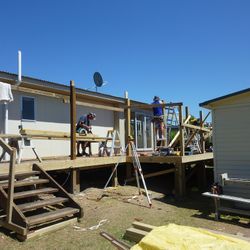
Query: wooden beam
column 196, row 130
column 55, row 135
column 5, row 146
column 127, row 114
column 11, row 186
column 196, row 127
column 174, row 139
column 167, row 171
column 178, row 133
column 72, row 120
column 182, row 142
column 202, row 140
column 65, row 98
column 180, row 180
column 165, row 127
column 47, row 229
column 187, row 112
column 38, row 92
column 143, row 226
column 150, row 106
column 135, row 235
column 75, row 181
column 98, row 106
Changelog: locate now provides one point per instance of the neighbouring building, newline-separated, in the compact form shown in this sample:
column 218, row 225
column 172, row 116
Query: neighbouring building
column 231, row 138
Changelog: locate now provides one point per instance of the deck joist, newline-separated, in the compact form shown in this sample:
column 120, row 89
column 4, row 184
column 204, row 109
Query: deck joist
column 85, row 163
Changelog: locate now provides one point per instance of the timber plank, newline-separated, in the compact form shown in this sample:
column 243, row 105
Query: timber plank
column 19, row 175
column 46, row 230
column 134, row 234
column 49, row 216
column 41, row 203
column 25, row 194
column 25, row 183
column 143, row 226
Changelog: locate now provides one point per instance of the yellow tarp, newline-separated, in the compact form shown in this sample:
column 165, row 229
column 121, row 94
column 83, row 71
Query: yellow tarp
column 175, row 237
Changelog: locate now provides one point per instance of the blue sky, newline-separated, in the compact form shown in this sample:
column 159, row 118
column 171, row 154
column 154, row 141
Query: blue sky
column 188, row 51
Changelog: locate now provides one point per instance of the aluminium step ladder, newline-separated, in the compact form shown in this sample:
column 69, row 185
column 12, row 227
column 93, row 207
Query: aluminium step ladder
column 113, row 146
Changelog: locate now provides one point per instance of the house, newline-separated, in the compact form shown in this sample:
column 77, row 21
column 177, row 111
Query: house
column 44, row 105
column 231, row 138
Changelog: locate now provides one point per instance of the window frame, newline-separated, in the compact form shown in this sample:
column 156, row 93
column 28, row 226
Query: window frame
column 34, row 99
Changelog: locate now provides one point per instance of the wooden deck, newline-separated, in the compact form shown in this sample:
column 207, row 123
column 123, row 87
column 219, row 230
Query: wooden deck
column 95, row 162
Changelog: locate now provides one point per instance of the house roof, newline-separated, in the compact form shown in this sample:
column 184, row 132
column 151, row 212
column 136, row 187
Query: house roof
column 209, row 103
column 30, row 81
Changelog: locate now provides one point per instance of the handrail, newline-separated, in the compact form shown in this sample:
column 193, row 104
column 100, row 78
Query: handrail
column 12, row 152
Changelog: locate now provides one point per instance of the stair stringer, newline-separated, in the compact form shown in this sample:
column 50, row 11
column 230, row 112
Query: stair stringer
column 61, row 191
column 18, row 223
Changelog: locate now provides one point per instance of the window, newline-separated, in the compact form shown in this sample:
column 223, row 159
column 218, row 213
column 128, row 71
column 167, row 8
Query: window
column 28, row 108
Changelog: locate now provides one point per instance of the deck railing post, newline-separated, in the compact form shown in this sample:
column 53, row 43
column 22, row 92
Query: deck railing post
column 202, row 140
column 181, row 129
column 127, row 123
column 72, row 120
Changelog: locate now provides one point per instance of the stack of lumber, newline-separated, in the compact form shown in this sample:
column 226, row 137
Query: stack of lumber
column 137, row 231
column 42, row 134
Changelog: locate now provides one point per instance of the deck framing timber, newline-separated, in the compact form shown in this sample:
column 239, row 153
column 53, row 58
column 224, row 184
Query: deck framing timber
column 86, row 163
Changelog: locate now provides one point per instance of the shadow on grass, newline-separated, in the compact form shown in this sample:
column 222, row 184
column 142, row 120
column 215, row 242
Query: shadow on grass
column 8, row 233
column 205, row 209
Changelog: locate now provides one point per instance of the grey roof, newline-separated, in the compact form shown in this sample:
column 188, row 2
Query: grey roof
column 224, row 97
column 59, row 86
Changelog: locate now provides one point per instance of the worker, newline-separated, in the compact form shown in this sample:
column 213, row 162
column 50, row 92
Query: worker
column 84, row 127
column 158, row 117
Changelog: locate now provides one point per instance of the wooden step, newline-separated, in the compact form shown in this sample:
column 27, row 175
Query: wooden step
column 19, row 175
column 50, row 216
column 29, row 193
column 25, row 183
column 41, row 203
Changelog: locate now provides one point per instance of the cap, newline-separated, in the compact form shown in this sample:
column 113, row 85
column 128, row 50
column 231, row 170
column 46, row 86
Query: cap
column 156, row 98
column 93, row 115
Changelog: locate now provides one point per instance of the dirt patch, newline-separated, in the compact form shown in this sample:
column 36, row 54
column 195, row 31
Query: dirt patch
column 115, row 209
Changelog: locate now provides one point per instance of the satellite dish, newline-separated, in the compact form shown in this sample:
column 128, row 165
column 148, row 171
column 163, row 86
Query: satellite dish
column 98, row 79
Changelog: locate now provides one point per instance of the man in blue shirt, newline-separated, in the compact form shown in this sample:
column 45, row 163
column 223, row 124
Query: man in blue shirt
column 158, row 117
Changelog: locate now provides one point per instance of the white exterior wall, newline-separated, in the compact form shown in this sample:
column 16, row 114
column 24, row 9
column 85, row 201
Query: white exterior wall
column 52, row 114
column 231, row 125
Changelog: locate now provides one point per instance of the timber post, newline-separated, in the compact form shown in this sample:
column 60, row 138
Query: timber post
column 127, row 123
column 165, row 125
column 75, row 173
column 180, row 180
column 201, row 176
column 127, row 116
column 11, row 185
column 182, row 142
column 186, row 117
column 72, row 121
column 75, row 181
column 202, row 140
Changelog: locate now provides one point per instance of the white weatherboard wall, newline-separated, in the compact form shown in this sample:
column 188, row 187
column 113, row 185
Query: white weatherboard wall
column 52, row 114
column 231, row 125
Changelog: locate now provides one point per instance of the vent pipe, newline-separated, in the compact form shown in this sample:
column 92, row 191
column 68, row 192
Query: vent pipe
column 19, row 79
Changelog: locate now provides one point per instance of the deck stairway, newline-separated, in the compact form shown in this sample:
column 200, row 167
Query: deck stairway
column 38, row 204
